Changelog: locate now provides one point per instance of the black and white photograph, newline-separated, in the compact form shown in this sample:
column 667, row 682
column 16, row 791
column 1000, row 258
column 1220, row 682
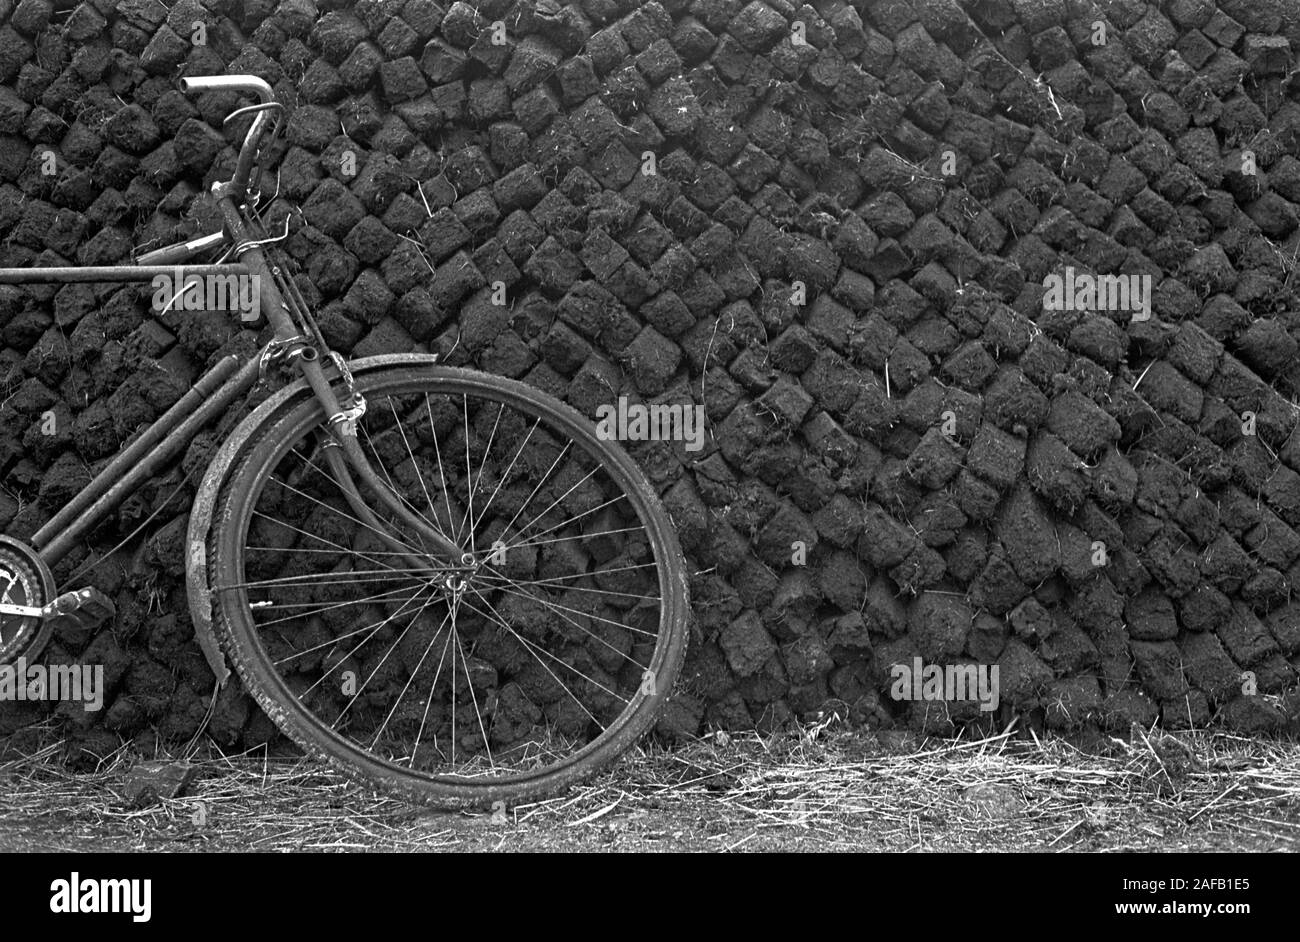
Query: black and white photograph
column 680, row 426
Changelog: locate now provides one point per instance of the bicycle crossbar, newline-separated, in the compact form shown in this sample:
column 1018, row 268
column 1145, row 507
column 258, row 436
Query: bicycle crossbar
column 76, row 273
column 160, row 442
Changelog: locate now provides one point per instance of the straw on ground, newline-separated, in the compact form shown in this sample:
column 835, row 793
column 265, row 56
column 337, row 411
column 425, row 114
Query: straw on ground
column 824, row 789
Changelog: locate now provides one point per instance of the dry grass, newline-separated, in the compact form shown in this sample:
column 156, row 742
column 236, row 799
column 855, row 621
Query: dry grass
column 824, row 789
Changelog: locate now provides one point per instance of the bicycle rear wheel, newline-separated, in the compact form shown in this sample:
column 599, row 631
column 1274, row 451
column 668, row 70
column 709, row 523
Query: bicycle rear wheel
column 543, row 663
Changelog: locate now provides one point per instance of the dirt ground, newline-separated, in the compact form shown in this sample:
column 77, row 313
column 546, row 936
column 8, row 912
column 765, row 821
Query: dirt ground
column 821, row 791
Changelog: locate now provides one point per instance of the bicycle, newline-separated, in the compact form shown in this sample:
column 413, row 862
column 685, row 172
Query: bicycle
column 455, row 631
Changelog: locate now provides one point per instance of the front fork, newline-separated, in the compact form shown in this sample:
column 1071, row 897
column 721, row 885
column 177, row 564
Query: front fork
column 344, row 456
column 342, row 420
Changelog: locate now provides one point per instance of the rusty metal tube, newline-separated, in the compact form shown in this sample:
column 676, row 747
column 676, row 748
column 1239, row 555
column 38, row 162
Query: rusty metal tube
column 171, row 433
column 207, row 384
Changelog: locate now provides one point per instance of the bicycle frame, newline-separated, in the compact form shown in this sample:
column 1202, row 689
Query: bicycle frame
column 228, row 380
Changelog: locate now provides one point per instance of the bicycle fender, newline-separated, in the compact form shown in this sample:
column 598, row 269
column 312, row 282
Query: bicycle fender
column 198, row 591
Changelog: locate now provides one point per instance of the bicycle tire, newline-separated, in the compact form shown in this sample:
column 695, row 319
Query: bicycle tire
column 237, row 628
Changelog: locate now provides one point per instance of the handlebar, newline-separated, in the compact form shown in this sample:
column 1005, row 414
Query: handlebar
column 228, row 83
column 249, row 84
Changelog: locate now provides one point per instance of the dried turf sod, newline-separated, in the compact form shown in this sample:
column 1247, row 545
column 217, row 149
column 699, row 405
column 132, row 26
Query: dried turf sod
column 1104, row 508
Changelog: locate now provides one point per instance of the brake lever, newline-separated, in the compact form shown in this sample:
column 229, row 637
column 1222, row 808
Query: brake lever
column 277, row 130
column 250, row 109
column 258, row 208
column 247, row 244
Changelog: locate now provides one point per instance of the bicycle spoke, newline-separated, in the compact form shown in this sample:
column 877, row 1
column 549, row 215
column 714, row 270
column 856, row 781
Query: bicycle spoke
column 329, row 477
column 301, row 549
column 536, row 489
column 323, row 578
column 487, row 450
column 335, row 510
column 509, row 468
column 582, row 628
column 580, row 575
column 442, row 659
column 320, row 610
column 419, row 477
column 311, row 463
column 559, row 609
column 384, row 660
column 569, row 539
column 392, row 531
column 572, row 588
column 574, row 519
column 407, row 686
column 320, row 539
column 453, row 686
column 469, row 682
column 375, row 630
column 442, row 471
column 332, row 641
column 392, row 486
column 484, row 672
column 469, row 476
column 532, row 646
column 583, row 480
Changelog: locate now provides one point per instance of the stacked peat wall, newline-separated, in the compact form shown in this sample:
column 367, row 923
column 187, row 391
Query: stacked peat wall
column 829, row 224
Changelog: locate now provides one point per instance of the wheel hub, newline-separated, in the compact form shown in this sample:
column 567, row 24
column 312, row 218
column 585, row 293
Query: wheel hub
column 456, row 581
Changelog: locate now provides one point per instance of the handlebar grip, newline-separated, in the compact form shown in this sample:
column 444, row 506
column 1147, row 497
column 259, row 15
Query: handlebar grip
column 232, row 83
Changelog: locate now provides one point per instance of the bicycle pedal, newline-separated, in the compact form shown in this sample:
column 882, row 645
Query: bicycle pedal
column 83, row 608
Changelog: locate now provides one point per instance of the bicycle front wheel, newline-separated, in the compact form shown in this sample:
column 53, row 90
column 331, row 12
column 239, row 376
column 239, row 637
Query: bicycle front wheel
column 515, row 677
